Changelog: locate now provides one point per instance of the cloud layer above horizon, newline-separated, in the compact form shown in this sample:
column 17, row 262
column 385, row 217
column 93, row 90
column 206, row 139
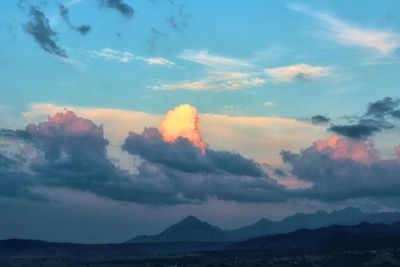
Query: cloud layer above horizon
column 177, row 166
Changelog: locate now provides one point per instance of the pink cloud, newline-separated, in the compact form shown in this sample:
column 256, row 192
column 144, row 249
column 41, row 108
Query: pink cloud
column 66, row 124
column 341, row 148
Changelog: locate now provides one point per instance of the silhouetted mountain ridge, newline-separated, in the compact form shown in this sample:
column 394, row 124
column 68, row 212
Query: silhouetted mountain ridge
column 335, row 237
column 193, row 229
column 189, row 229
column 347, row 216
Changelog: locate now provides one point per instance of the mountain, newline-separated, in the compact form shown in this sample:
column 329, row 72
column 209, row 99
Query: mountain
column 336, row 237
column 189, row 229
column 192, row 229
column 346, row 216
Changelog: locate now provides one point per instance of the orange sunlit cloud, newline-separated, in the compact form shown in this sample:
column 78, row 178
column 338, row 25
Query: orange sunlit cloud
column 183, row 121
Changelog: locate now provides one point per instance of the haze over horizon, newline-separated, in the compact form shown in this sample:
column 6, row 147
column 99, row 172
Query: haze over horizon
column 120, row 118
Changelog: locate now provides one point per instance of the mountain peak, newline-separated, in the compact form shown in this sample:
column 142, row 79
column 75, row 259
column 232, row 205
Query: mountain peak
column 188, row 229
column 191, row 219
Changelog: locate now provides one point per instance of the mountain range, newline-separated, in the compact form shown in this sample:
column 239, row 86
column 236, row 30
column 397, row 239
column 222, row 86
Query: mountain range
column 193, row 229
column 332, row 238
column 335, row 238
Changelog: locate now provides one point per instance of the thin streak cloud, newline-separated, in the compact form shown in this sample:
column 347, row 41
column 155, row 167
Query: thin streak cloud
column 383, row 42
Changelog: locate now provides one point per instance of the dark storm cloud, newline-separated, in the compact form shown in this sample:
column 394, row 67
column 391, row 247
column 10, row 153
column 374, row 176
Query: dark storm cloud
column 340, row 178
column 64, row 13
column 70, row 152
column 385, row 107
column 15, row 183
column 40, row 29
column 356, row 131
column 75, row 156
column 6, row 162
column 183, row 155
column 319, row 119
column 280, row 173
column 380, row 115
column 119, row 5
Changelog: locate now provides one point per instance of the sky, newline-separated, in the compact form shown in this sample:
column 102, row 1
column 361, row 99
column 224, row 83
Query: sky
column 121, row 117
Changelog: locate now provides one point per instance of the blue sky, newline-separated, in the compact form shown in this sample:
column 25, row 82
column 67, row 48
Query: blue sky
column 253, row 74
column 267, row 34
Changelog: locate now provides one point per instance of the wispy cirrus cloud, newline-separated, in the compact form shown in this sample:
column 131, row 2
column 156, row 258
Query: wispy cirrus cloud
column 224, row 73
column 383, row 42
column 269, row 104
column 216, row 81
column 227, row 73
column 159, row 61
column 125, row 57
column 112, row 54
column 300, row 72
column 212, row 61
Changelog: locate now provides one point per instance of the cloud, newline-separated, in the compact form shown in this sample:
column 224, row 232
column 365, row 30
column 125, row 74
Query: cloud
column 224, row 73
column 380, row 115
column 67, row 151
column 384, row 42
column 319, row 119
column 213, row 61
column 119, row 5
column 70, row 152
column 112, row 54
column 260, row 138
column 279, row 172
column 269, row 104
column 40, row 29
column 181, row 154
column 385, row 107
column 183, row 121
column 216, row 81
column 14, row 181
column 300, row 72
column 156, row 35
column 64, row 13
column 160, row 61
column 341, row 169
column 179, row 18
column 356, row 131
column 125, row 57
column 338, row 148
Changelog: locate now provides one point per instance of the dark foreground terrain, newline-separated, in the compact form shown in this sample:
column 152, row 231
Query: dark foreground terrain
column 360, row 245
column 371, row 258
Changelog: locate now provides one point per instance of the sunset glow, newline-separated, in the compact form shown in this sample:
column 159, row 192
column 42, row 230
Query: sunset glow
column 183, row 121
